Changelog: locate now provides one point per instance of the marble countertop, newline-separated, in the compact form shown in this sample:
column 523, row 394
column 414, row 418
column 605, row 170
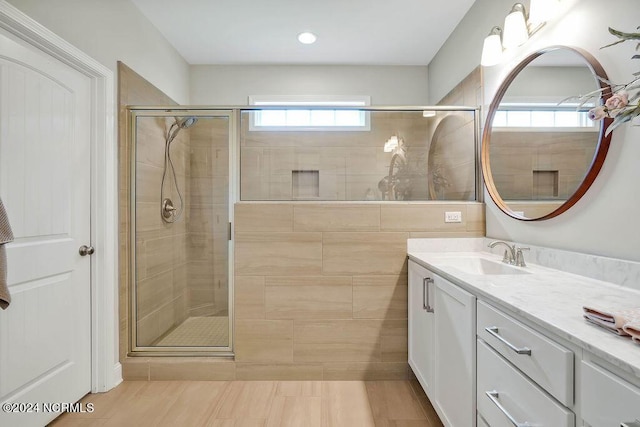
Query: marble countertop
column 548, row 297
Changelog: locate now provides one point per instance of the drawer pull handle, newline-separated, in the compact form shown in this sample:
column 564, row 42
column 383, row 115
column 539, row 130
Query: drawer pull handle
column 493, row 330
column 426, row 304
column 493, row 396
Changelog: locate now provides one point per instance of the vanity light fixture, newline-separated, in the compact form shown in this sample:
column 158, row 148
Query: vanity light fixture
column 515, row 27
column 428, row 113
column 307, row 38
column 518, row 27
column 492, row 48
column 540, row 11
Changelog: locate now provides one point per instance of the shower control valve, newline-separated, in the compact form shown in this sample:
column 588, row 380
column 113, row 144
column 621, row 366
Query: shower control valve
column 168, row 208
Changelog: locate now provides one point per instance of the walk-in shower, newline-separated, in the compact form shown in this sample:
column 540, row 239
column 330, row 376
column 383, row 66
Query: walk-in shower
column 180, row 232
column 190, row 164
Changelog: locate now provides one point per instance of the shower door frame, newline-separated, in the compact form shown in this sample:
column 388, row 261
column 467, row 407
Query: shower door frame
column 133, row 112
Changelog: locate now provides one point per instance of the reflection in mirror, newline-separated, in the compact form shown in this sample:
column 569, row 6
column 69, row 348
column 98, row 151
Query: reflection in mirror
column 538, row 151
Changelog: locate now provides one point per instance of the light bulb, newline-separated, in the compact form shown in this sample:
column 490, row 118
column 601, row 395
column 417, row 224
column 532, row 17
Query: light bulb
column 491, row 50
column 515, row 28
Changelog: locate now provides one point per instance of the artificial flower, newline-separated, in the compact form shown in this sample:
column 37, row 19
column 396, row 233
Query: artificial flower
column 598, row 113
column 617, row 101
column 623, row 105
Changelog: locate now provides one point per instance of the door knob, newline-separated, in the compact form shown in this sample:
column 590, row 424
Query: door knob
column 86, row 250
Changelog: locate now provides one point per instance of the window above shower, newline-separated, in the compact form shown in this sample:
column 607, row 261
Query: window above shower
column 543, row 117
column 403, row 154
column 325, row 117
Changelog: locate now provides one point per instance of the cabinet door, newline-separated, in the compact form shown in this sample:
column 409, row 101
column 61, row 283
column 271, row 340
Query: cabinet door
column 607, row 400
column 455, row 313
column 421, row 327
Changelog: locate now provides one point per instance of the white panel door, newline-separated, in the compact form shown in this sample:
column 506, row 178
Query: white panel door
column 45, row 336
column 421, row 326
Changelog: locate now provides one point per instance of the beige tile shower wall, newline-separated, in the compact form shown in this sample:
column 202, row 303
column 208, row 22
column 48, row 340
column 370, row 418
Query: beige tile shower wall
column 515, row 155
column 161, row 248
column 350, row 164
column 208, row 218
column 452, row 161
column 451, row 153
column 468, row 92
column 132, row 90
column 321, row 289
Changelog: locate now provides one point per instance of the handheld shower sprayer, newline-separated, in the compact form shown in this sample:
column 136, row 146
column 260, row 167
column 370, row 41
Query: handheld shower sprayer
column 168, row 212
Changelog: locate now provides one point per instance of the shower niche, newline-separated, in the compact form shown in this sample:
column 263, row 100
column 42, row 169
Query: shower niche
column 180, row 226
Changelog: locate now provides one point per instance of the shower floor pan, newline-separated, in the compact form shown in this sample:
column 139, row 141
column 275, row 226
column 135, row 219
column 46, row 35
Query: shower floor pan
column 198, row 332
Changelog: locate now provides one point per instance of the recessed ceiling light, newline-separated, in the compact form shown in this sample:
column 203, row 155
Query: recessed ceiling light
column 307, row 38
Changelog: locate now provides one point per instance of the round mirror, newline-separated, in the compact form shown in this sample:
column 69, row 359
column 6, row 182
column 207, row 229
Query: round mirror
column 540, row 151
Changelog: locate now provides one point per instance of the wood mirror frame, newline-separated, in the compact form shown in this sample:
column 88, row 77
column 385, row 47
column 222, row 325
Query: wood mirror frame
column 602, row 145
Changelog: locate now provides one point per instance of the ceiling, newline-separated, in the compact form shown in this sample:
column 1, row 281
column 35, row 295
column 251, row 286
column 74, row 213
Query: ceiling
column 373, row 32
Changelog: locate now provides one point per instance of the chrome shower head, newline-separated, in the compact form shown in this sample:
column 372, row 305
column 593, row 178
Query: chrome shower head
column 186, row 122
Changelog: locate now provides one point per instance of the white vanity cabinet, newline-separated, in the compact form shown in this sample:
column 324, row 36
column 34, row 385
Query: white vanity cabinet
column 520, row 372
column 421, row 327
column 503, row 347
column 608, row 400
column 442, row 344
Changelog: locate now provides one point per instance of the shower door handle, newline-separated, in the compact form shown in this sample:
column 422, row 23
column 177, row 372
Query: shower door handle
column 86, row 250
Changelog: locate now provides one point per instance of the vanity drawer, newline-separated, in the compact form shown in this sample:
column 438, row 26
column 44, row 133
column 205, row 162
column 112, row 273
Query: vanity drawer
column 548, row 363
column 607, row 400
column 506, row 397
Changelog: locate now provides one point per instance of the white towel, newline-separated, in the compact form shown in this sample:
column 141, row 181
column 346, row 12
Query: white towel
column 6, row 236
column 613, row 320
column 633, row 329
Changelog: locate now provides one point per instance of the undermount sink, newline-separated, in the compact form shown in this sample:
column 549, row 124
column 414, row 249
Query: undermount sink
column 483, row 266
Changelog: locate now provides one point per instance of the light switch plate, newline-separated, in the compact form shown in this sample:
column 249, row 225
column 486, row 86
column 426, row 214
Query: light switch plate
column 453, row 217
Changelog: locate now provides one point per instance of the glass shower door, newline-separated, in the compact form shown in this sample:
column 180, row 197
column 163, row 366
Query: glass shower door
column 180, row 231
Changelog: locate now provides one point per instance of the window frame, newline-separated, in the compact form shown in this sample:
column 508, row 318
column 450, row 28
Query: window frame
column 549, row 107
column 310, row 102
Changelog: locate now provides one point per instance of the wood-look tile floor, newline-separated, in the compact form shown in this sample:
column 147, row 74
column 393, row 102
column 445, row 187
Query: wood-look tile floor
column 257, row 403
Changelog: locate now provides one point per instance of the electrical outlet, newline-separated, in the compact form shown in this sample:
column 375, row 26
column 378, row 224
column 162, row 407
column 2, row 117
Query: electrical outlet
column 453, row 217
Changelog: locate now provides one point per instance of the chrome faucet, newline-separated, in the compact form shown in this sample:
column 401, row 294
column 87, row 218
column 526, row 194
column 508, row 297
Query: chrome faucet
column 509, row 253
column 520, row 257
column 512, row 255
